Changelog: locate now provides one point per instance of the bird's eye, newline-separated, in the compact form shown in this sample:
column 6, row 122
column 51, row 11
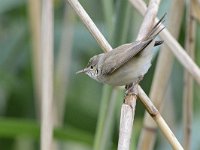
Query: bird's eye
column 91, row 67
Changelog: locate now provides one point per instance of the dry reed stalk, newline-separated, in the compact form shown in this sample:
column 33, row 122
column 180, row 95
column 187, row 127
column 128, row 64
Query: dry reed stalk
column 47, row 75
column 126, row 122
column 35, row 22
column 161, row 78
column 196, row 9
column 105, row 45
column 188, row 81
column 174, row 46
column 149, row 18
column 62, row 67
column 90, row 25
column 159, row 120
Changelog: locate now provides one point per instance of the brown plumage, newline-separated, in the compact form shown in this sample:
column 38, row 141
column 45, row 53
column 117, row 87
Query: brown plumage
column 126, row 63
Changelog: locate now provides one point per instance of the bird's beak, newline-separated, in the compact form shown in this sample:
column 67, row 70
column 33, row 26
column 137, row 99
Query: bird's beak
column 83, row 70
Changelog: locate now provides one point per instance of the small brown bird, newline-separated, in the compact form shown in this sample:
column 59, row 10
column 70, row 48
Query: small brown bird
column 125, row 64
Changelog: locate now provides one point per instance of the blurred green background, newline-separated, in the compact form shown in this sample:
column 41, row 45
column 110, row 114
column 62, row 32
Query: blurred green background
column 19, row 121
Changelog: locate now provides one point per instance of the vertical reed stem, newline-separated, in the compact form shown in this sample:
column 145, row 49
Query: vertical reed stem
column 47, row 75
column 188, row 81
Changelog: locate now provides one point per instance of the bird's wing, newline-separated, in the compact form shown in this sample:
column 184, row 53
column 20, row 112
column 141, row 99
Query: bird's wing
column 121, row 55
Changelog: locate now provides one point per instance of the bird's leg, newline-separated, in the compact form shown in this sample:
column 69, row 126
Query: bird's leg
column 131, row 94
column 130, row 88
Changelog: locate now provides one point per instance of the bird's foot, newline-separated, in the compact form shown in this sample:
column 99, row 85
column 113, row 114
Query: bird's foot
column 132, row 90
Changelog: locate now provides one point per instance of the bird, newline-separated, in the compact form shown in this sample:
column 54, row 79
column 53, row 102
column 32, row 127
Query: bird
column 127, row 63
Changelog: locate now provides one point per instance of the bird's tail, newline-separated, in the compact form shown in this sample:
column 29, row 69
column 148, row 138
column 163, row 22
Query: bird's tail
column 157, row 43
column 156, row 30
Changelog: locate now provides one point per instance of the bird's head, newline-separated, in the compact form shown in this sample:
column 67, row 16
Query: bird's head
column 92, row 68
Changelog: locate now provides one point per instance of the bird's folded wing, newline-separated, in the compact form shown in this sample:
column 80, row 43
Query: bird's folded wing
column 121, row 55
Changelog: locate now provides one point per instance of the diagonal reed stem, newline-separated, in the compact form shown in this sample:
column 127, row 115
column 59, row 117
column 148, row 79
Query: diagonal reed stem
column 90, row 25
column 161, row 78
column 152, row 110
